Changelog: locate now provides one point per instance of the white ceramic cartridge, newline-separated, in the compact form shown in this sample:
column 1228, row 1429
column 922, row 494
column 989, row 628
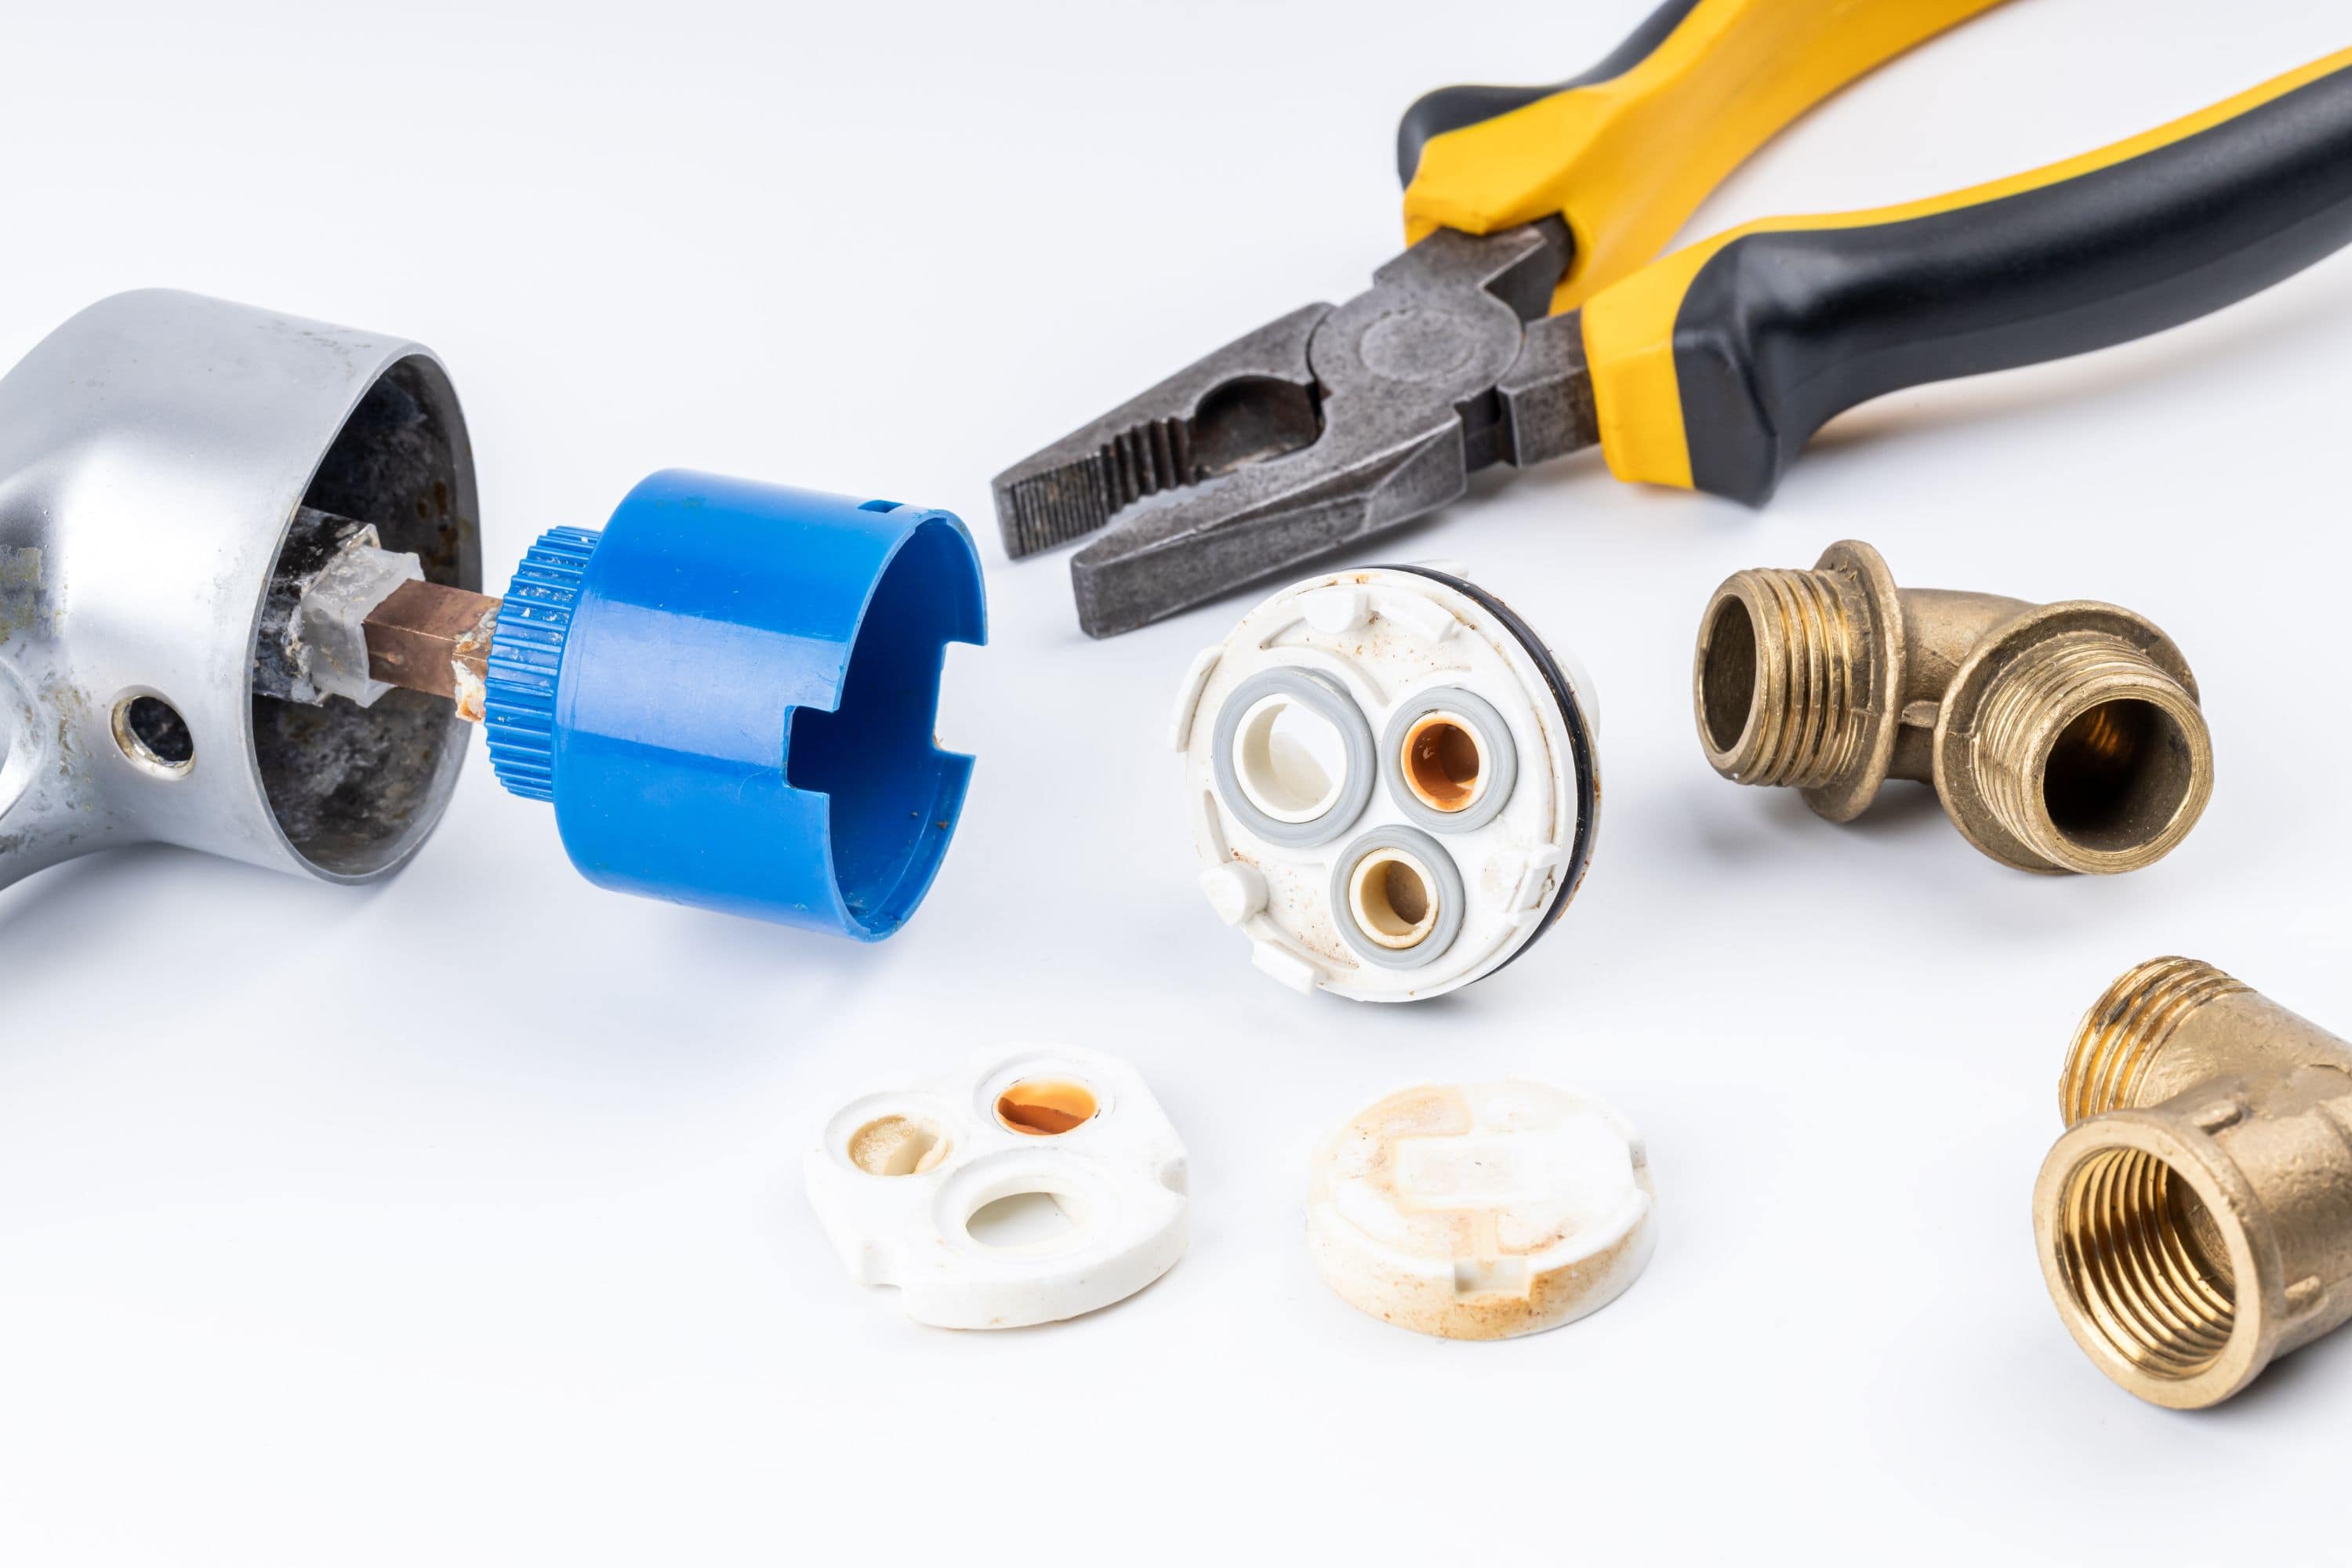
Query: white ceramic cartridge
column 1041, row 1184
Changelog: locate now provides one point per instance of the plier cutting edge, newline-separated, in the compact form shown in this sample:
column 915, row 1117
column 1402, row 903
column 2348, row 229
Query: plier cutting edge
column 1526, row 319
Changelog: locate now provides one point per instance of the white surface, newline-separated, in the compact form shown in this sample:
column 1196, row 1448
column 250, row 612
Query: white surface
column 1380, row 643
column 460, row 1222
column 1104, row 1199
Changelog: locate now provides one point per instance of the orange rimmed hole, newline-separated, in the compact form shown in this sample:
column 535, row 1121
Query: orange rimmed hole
column 1443, row 762
column 1046, row 1107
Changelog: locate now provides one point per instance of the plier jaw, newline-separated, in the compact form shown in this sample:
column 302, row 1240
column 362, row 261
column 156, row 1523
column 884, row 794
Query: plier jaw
column 1309, row 433
column 1252, row 400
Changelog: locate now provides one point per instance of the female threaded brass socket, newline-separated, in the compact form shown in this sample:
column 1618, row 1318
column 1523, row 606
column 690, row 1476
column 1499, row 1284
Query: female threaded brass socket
column 2060, row 737
column 2195, row 1222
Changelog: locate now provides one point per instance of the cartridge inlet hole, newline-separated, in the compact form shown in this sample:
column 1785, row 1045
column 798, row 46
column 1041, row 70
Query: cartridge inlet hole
column 1046, row 1107
column 1445, row 762
column 2146, row 1263
column 1728, row 674
column 1024, row 1219
column 2119, row 776
column 1290, row 761
column 898, row 1146
column 154, row 736
column 1393, row 899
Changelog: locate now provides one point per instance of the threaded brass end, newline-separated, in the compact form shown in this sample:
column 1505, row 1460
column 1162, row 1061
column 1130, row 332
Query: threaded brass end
column 2120, row 1036
column 2146, row 1264
column 1777, row 683
column 2091, row 754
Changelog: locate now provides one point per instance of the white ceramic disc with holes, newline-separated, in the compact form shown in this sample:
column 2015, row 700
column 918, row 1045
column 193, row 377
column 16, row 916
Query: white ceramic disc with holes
column 1482, row 1212
column 1044, row 1182
column 1391, row 782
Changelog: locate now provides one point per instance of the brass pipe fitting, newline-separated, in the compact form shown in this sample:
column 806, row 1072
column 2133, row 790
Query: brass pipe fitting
column 2195, row 1222
column 2060, row 737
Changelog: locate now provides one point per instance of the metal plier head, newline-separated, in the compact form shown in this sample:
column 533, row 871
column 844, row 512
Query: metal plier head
column 1313, row 431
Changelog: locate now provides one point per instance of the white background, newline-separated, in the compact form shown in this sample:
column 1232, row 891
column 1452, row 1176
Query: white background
column 459, row 1220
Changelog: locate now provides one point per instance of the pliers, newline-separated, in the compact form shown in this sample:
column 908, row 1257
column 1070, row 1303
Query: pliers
column 1526, row 319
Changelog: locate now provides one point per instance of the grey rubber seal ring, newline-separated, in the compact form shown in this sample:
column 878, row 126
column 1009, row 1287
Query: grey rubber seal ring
column 1502, row 767
column 1328, row 699
column 1450, row 898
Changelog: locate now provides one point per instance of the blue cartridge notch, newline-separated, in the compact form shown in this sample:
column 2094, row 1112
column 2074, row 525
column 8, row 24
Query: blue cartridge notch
column 739, row 704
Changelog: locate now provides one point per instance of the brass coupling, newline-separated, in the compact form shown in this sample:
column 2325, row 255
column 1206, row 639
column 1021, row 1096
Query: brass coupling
column 2195, row 1221
column 2060, row 737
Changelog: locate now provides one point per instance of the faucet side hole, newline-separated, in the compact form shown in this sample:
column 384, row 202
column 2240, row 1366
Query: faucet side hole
column 152, row 736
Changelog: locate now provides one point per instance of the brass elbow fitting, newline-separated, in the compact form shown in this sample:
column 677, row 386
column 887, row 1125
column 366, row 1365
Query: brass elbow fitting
column 2060, row 737
column 2195, row 1222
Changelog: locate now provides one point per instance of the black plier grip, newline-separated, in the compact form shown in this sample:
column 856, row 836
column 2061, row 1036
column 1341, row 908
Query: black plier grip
column 1712, row 368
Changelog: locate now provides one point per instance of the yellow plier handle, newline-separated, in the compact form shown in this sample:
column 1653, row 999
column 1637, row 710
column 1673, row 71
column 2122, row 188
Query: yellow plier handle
column 1627, row 152
column 1712, row 368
